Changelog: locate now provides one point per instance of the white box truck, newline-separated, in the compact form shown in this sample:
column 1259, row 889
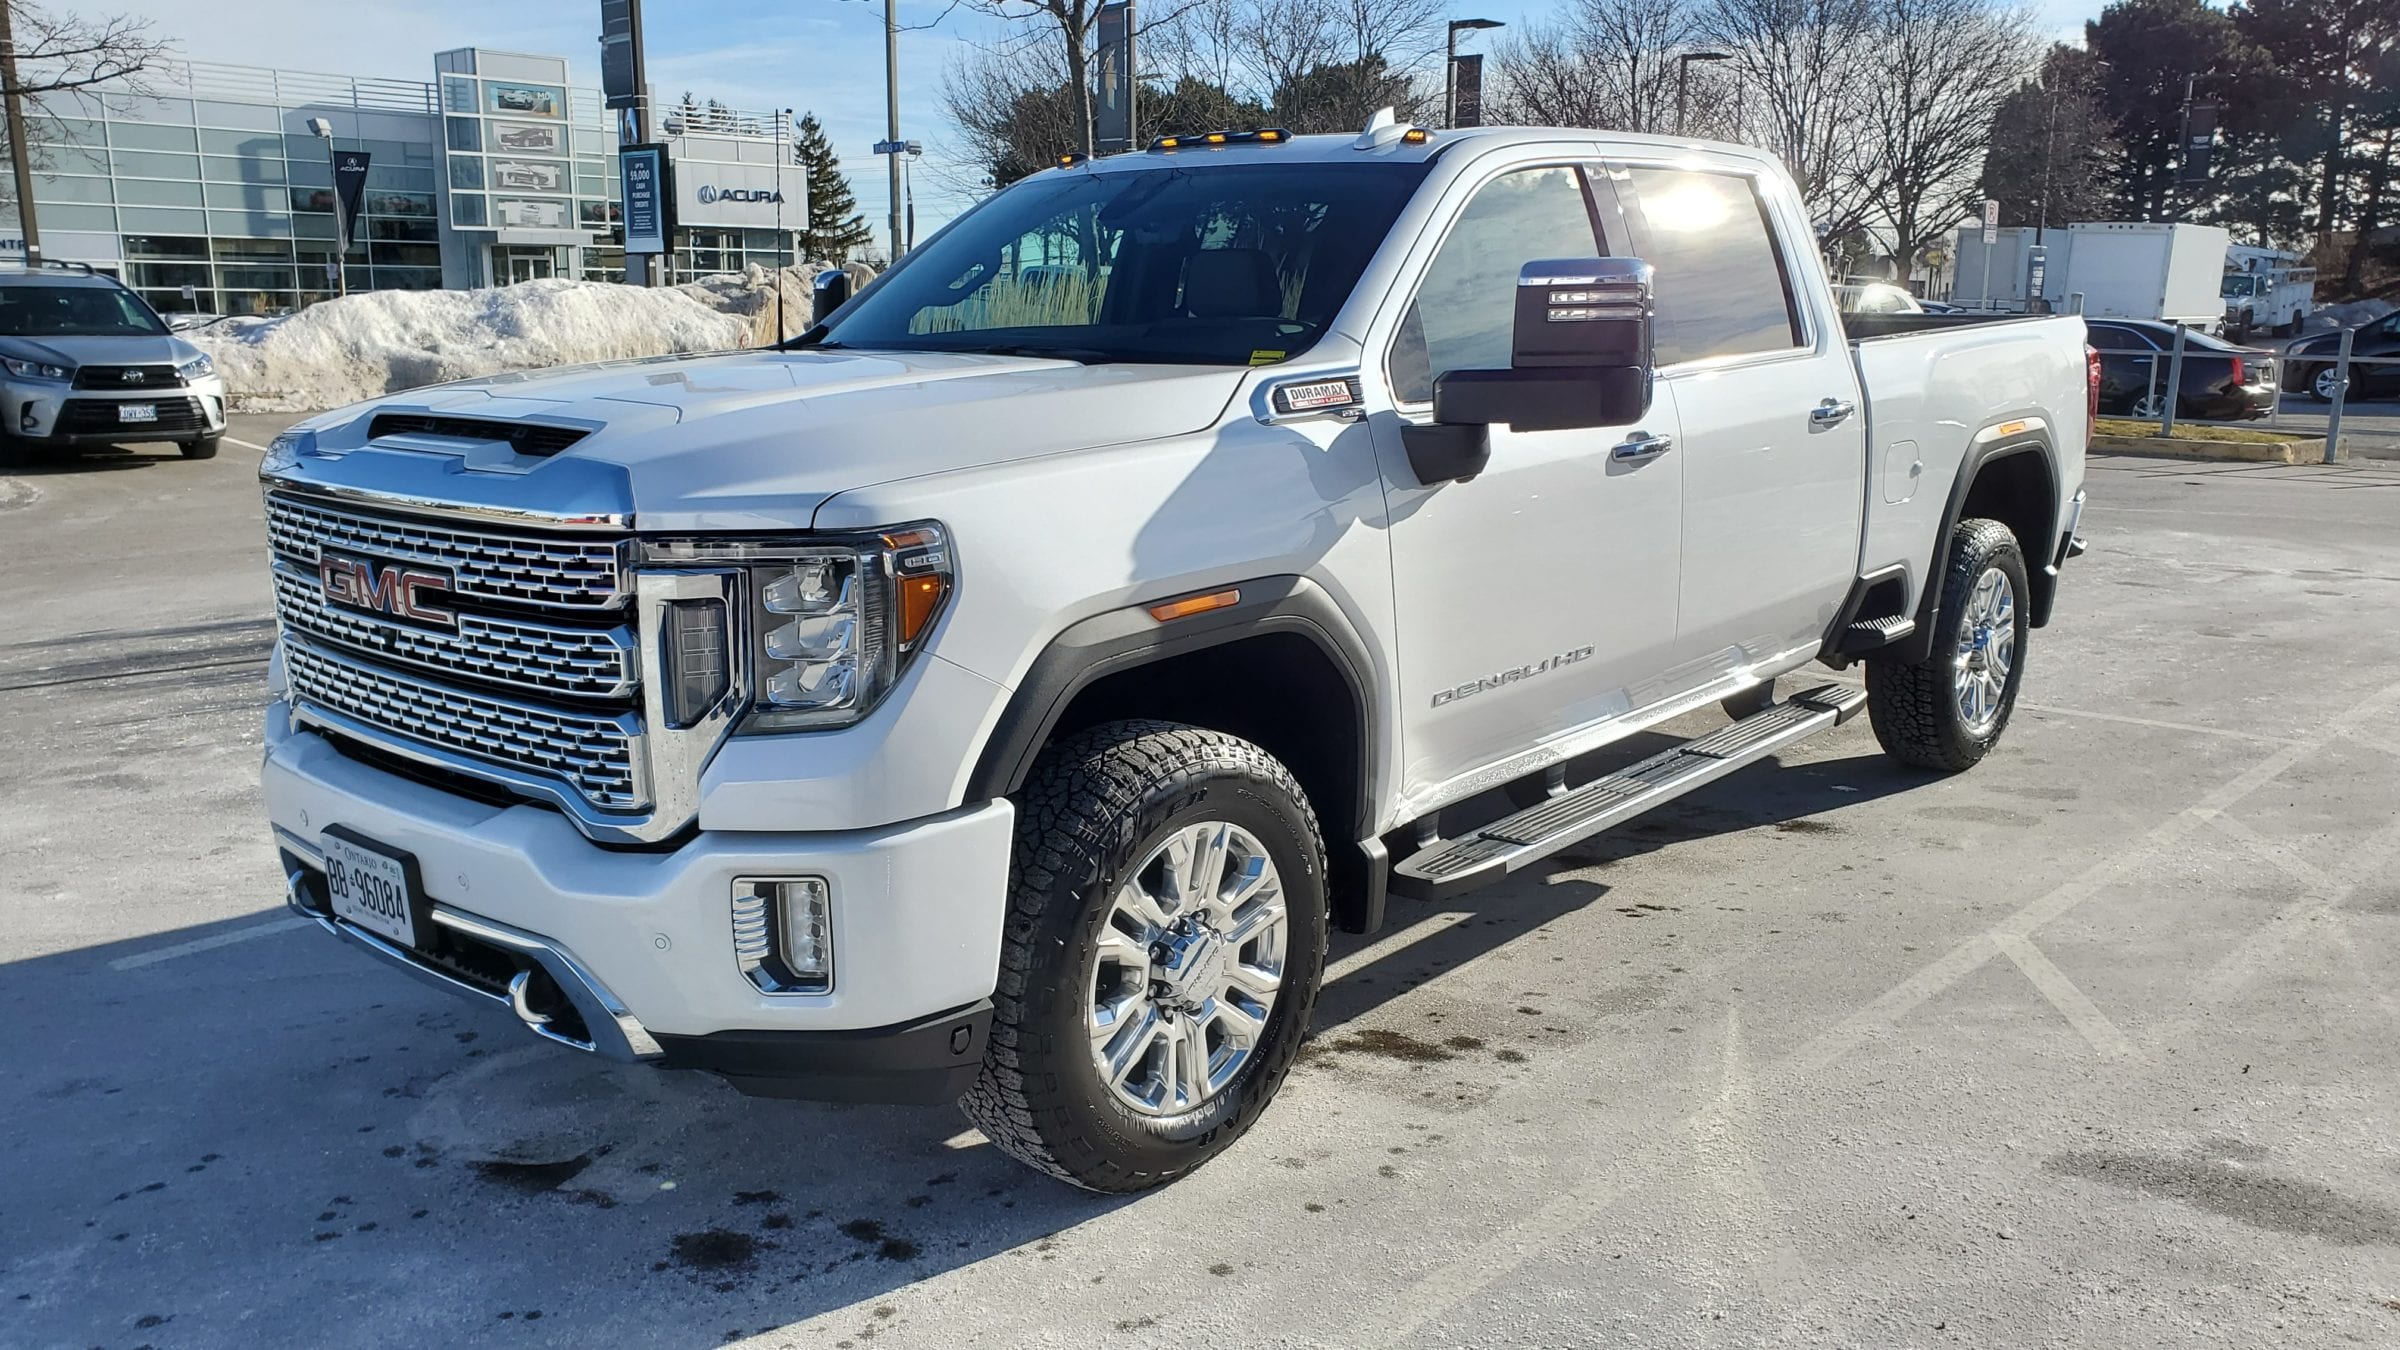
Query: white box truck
column 2148, row 270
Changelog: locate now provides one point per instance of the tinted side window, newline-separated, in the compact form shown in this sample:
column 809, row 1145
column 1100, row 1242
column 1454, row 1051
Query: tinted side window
column 1721, row 289
column 1465, row 311
column 2116, row 340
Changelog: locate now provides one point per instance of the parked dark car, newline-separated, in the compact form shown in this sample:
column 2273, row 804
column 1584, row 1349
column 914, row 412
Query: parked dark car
column 2308, row 361
column 2221, row 382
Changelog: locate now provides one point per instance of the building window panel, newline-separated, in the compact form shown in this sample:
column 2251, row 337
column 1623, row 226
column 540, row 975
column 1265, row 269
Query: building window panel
column 157, row 192
column 257, row 278
column 465, row 134
column 146, row 164
column 254, row 143
column 404, row 255
column 252, row 250
column 408, row 278
column 468, row 209
column 399, row 204
column 399, row 176
column 67, row 131
column 48, row 189
column 227, row 169
column 149, row 136
column 393, row 230
column 166, row 274
column 258, row 116
column 312, row 199
column 101, row 218
column 249, row 224
column 171, row 247
column 466, row 171
column 171, row 220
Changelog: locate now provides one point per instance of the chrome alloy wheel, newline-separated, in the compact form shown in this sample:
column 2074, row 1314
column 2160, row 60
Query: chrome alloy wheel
column 1987, row 651
column 1189, row 962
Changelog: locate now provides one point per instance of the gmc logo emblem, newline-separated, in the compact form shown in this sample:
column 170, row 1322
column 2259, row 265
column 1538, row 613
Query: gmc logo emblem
column 399, row 590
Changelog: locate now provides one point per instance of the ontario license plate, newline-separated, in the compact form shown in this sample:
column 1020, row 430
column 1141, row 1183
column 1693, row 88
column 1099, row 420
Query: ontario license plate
column 137, row 412
column 373, row 887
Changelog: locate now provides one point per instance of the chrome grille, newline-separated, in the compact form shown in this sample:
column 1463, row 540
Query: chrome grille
column 598, row 756
column 554, row 573
column 538, row 658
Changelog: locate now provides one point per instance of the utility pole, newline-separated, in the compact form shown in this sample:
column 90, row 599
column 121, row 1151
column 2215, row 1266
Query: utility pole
column 18, row 160
column 1683, row 78
column 783, row 239
column 891, row 108
column 627, row 87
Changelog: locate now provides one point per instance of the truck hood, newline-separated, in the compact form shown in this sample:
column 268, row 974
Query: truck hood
column 759, row 439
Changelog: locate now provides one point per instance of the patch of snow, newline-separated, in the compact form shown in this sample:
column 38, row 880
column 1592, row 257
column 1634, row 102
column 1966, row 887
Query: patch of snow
column 341, row 351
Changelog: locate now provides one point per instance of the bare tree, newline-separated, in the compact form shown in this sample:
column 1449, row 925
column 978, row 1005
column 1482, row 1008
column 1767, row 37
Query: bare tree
column 1804, row 67
column 61, row 55
column 1942, row 69
column 1604, row 65
column 60, row 52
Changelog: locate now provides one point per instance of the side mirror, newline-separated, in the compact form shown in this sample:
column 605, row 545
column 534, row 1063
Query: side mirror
column 1581, row 357
column 832, row 287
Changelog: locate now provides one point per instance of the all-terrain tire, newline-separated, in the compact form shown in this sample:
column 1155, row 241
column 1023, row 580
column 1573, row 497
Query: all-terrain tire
column 1094, row 807
column 1914, row 706
column 204, row 448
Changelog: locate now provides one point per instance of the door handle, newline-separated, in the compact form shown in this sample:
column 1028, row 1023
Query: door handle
column 1642, row 445
column 1831, row 413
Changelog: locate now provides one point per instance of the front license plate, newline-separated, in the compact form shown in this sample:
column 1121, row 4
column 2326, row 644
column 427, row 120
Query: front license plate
column 373, row 887
column 137, row 412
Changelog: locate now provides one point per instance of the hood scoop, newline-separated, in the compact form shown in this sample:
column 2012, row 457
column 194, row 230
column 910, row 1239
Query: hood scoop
column 536, row 440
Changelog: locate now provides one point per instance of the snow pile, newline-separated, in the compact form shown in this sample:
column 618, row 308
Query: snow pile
column 341, row 351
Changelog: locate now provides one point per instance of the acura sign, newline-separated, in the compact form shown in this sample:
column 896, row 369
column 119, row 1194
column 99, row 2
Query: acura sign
column 731, row 183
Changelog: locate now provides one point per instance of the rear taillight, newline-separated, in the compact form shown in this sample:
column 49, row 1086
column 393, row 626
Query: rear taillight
column 2091, row 381
column 2240, row 373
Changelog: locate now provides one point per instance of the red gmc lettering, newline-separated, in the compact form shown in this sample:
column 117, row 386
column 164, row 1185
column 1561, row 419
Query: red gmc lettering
column 402, row 592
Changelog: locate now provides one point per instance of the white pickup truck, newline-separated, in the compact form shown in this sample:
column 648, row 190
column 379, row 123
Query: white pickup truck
column 1000, row 693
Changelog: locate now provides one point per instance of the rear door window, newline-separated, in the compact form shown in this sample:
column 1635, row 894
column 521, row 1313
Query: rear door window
column 1721, row 286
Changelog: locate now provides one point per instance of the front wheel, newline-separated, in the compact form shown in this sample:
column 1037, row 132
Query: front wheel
column 204, row 448
column 2324, row 383
column 1165, row 937
column 1947, row 711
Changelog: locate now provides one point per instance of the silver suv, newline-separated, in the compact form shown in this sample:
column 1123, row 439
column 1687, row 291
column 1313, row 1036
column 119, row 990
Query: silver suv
column 84, row 361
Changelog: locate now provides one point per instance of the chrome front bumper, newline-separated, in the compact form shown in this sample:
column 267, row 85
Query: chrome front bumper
column 612, row 1031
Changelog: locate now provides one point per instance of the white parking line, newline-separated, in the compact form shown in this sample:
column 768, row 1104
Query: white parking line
column 211, row 943
column 247, row 445
column 2072, row 1003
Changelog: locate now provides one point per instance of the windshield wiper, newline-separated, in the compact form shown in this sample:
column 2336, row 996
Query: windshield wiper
column 1089, row 356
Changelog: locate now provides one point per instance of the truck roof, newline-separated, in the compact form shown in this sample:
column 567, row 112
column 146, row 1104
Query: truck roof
column 1396, row 145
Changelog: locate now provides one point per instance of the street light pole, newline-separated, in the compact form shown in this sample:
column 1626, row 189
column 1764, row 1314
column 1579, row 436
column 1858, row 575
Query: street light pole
column 1683, row 78
column 891, row 103
column 1450, row 65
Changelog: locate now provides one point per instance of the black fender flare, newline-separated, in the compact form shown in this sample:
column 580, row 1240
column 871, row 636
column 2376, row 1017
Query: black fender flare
column 1122, row 639
column 1128, row 638
column 2035, row 440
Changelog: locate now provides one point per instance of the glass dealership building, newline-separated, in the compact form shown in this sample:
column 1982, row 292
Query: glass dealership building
column 211, row 192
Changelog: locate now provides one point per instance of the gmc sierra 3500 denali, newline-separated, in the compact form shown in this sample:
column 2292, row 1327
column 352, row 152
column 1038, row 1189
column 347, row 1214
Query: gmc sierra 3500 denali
column 999, row 692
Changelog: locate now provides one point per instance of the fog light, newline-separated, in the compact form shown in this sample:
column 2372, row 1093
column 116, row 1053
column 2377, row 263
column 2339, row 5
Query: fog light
column 783, row 933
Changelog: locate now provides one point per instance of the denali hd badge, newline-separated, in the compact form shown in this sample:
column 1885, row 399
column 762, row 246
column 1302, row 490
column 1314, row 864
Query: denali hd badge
column 1498, row 678
column 401, row 590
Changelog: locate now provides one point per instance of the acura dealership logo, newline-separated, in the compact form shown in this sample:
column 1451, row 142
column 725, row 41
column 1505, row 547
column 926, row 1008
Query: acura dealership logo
column 711, row 194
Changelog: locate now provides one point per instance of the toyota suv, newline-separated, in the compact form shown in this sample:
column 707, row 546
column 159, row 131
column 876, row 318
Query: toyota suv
column 84, row 361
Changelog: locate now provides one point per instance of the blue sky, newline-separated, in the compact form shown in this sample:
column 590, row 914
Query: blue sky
column 825, row 55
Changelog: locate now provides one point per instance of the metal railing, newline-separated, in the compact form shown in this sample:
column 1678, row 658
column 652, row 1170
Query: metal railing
column 2165, row 406
column 288, row 88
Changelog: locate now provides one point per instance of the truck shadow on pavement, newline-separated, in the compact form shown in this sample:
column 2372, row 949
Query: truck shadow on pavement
column 245, row 1106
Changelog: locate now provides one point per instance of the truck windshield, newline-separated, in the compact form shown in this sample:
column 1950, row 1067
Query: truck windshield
column 2237, row 284
column 1235, row 264
column 74, row 311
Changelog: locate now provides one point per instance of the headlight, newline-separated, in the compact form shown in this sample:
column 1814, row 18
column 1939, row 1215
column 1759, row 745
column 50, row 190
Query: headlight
column 199, row 367
column 34, row 370
column 832, row 623
column 284, row 452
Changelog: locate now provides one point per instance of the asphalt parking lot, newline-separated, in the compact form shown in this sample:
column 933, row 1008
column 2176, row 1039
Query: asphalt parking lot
column 2097, row 1045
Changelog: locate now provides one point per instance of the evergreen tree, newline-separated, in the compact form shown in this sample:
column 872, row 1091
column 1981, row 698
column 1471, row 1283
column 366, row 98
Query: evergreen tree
column 835, row 226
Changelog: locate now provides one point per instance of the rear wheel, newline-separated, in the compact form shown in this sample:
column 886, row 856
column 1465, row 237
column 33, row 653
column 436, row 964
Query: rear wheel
column 1947, row 711
column 1165, row 938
